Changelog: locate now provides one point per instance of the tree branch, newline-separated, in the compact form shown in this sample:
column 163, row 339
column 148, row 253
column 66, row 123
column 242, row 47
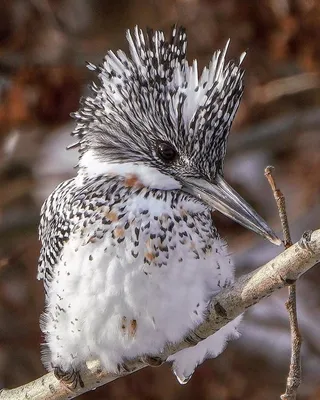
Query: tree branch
column 224, row 307
column 294, row 376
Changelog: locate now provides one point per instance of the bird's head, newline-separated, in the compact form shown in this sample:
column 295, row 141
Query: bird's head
column 153, row 116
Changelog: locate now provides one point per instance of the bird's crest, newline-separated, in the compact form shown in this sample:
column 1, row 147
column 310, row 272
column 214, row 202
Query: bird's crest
column 154, row 94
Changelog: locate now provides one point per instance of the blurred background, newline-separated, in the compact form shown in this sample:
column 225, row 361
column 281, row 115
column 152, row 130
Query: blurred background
column 43, row 48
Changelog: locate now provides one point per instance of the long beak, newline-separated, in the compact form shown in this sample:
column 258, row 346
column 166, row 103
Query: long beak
column 220, row 196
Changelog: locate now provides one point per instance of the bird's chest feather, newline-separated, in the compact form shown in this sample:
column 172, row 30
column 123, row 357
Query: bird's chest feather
column 140, row 267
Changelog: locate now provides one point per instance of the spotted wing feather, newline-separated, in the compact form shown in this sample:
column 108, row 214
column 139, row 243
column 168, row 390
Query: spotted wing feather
column 54, row 229
column 70, row 207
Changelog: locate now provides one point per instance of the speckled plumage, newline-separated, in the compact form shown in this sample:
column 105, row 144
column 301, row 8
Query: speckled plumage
column 126, row 254
column 129, row 259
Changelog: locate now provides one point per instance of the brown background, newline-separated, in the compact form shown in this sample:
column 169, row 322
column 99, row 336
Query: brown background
column 43, row 47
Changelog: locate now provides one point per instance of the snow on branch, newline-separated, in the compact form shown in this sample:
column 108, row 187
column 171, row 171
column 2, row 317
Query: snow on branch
column 248, row 290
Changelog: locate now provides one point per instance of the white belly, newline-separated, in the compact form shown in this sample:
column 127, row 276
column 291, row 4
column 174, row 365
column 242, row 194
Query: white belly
column 106, row 301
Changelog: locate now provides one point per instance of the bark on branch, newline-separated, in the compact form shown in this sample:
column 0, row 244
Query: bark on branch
column 224, row 307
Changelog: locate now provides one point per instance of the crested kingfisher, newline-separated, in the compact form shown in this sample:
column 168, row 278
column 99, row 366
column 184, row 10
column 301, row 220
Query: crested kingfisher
column 130, row 253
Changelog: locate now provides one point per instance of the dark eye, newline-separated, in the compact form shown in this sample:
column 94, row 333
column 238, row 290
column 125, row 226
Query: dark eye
column 166, row 152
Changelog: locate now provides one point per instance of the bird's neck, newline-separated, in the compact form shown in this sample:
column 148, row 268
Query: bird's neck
column 141, row 185
column 147, row 176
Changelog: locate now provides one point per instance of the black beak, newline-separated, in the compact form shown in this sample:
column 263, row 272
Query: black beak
column 220, row 196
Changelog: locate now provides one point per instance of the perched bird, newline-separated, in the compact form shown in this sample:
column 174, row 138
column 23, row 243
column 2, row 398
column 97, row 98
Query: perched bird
column 130, row 255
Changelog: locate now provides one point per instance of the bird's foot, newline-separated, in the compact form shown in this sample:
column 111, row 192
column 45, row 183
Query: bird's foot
column 124, row 368
column 152, row 361
column 192, row 338
column 304, row 242
column 70, row 379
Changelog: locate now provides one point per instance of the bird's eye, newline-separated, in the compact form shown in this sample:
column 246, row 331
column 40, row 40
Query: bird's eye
column 166, row 152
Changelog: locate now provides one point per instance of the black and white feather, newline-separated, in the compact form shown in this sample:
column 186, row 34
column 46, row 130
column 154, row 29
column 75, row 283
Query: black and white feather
column 128, row 258
column 155, row 95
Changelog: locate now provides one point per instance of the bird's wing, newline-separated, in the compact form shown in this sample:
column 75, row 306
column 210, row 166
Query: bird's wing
column 60, row 213
column 54, row 229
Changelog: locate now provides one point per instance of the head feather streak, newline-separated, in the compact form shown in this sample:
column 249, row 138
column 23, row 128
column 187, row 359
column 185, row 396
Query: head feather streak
column 156, row 93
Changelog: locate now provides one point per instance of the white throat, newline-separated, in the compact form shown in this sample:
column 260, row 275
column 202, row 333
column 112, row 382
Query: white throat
column 148, row 176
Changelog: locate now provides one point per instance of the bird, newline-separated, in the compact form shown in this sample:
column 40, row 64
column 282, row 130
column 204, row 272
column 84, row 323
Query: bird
column 130, row 253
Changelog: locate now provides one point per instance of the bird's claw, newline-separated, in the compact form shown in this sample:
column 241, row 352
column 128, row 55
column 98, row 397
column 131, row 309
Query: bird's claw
column 71, row 378
column 192, row 338
column 124, row 368
column 304, row 242
column 152, row 361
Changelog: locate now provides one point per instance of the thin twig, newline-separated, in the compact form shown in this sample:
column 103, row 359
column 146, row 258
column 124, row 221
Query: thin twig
column 294, row 375
column 246, row 291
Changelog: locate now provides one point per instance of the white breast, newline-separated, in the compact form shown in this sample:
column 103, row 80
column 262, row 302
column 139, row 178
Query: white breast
column 127, row 288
